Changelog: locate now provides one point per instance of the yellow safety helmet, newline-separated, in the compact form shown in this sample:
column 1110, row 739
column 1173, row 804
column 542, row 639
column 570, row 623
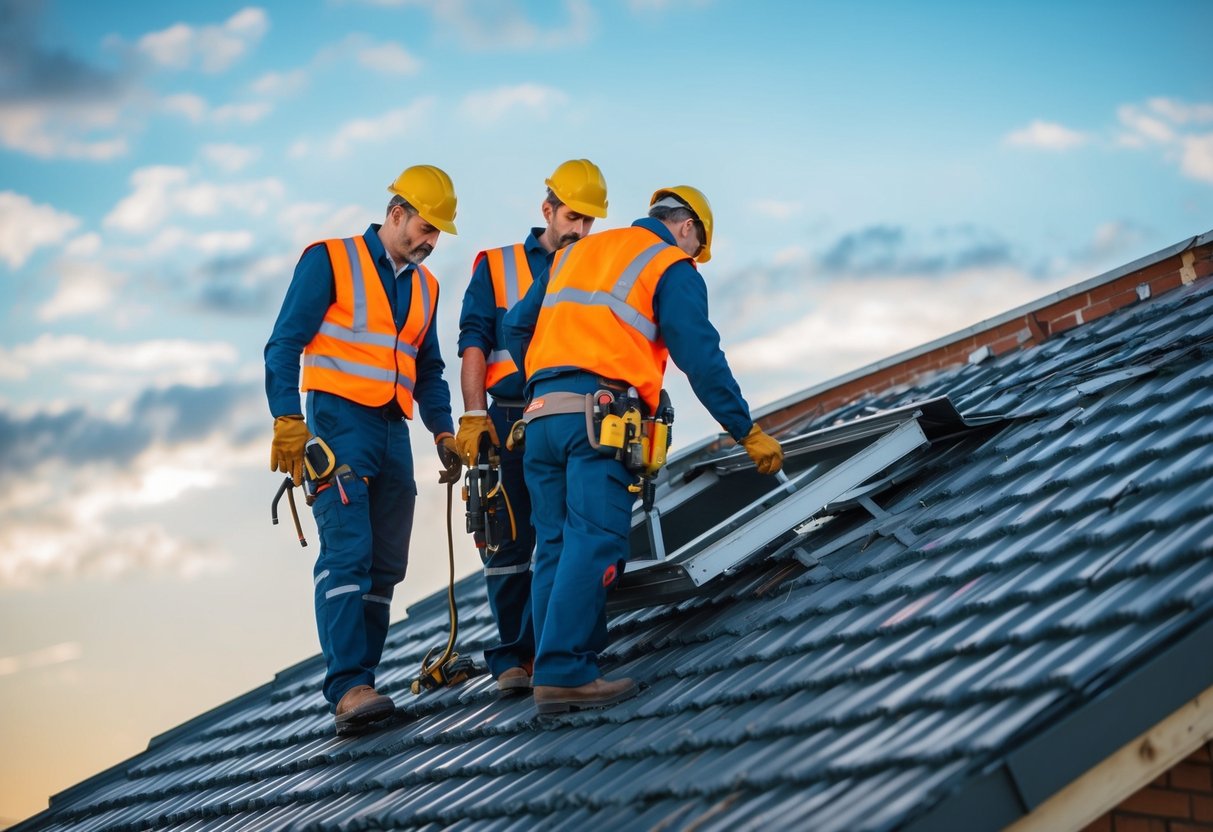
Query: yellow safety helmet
column 578, row 183
column 694, row 199
column 429, row 190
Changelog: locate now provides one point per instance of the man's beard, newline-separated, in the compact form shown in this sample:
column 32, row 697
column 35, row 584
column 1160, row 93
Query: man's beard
column 416, row 255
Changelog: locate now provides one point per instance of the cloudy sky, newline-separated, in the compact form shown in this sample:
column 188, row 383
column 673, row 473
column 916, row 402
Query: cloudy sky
column 882, row 174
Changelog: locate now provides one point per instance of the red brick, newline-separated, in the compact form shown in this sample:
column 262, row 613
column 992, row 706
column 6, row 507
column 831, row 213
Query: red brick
column 1203, row 268
column 1097, row 310
column 1171, row 264
column 1181, row 826
column 1064, row 307
column 1202, row 808
column 1103, row 824
column 1127, row 823
column 1159, row 803
column 1057, row 325
column 1201, row 754
column 1004, row 344
column 1167, row 283
column 1194, row 777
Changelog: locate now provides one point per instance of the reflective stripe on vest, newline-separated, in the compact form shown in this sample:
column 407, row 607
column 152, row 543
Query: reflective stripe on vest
column 597, row 314
column 511, row 277
column 357, row 352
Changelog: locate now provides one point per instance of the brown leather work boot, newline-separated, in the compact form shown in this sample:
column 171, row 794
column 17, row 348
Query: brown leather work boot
column 554, row 699
column 359, row 708
column 514, row 680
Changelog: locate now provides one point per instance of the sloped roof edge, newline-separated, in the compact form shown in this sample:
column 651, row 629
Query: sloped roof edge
column 1055, row 757
column 1010, row 317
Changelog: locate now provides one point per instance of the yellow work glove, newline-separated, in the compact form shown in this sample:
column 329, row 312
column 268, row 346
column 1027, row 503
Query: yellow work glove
column 473, row 425
column 765, row 451
column 286, row 452
column 452, row 466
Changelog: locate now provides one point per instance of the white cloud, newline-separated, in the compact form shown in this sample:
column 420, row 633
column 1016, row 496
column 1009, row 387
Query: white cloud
column 1197, row 160
column 855, row 322
column 492, row 25
column 186, row 104
column 776, row 209
column 161, row 192
column 196, row 109
column 275, row 84
column 1046, row 135
column 387, row 57
column 230, row 157
column 62, row 129
column 489, row 106
column 386, row 127
column 26, row 226
column 1166, row 125
column 1178, row 112
column 1144, row 127
column 67, row 651
column 213, row 48
column 85, row 286
column 156, row 363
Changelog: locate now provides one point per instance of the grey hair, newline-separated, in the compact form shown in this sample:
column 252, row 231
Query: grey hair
column 666, row 213
column 397, row 199
column 552, row 199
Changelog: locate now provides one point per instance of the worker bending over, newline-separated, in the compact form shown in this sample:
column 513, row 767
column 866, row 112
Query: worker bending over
column 616, row 306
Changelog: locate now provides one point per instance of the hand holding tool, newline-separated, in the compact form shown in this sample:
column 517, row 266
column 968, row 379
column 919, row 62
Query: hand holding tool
column 452, row 464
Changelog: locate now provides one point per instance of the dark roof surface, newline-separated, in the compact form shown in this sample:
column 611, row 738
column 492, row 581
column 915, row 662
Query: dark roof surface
column 927, row 659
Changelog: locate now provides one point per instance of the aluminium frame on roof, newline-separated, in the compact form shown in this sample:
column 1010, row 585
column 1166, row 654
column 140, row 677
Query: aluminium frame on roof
column 677, row 549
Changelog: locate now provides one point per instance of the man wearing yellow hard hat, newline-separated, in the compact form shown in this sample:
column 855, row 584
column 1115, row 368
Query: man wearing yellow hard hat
column 576, row 195
column 594, row 343
column 361, row 313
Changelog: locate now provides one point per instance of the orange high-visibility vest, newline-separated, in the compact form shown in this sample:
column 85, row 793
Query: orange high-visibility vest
column 511, row 276
column 357, row 353
column 597, row 314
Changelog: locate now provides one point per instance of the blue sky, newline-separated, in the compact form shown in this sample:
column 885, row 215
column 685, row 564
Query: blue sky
column 882, row 174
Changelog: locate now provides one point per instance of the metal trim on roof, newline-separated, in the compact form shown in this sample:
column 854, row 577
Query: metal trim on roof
column 746, row 533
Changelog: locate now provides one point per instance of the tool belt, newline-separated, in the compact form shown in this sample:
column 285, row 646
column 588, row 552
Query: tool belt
column 617, row 424
column 322, row 471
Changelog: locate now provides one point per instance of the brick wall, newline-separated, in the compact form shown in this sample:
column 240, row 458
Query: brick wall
column 1181, row 800
column 1029, row 330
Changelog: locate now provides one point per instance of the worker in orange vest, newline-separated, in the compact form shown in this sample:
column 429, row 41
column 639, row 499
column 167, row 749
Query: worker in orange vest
column 361, row 312
column 615, row 307
column 576, row 195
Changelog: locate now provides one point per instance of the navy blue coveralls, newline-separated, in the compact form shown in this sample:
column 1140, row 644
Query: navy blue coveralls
column 581, row 507
column 364, row 545
column 507, row 572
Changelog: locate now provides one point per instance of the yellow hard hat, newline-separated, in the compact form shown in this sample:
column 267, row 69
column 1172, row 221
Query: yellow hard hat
column 429, row 190
column 578, row 183
column 694, row 199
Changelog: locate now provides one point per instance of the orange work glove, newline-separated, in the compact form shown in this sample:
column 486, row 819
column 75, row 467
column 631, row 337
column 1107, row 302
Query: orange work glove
column 473, row 425
column 452, row 466
column 765, row 451
column 286, row 451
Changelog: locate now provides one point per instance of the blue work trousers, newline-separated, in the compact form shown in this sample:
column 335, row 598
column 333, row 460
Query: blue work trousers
column 582, row 509
column 364, row 544
column 507, row 572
